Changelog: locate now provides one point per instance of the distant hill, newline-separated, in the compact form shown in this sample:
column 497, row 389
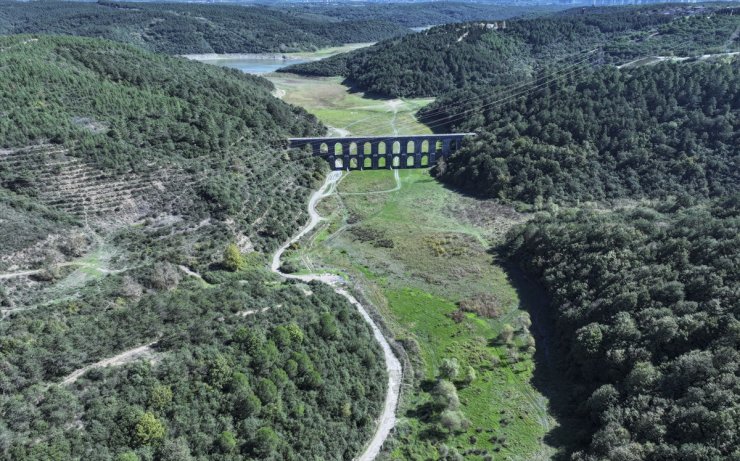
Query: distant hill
column 454, row 56
column 179, row 28
column 417, row 14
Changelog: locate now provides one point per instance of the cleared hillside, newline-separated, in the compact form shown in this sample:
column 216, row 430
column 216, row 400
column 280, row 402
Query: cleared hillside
column 205, row 135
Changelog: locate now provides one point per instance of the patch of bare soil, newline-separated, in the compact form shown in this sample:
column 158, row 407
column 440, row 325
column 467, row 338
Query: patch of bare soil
column 491, row 215
column 137, row 353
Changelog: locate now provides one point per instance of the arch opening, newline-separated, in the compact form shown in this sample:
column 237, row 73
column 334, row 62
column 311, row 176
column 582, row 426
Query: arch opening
column 382, row 163
column 368, row 163
column 424, row 161
column 338, row 163
column 410, row 160
column 324, row 148
column 367, row 148
column 396, row 147
column 411, row 147
column 353, row 148
column 338, row 148
column 353, row 163
column 381, row 148
column 396, row 161
column 424, row 146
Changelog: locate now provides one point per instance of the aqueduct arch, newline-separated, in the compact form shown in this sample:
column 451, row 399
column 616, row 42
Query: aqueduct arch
column 374, row 152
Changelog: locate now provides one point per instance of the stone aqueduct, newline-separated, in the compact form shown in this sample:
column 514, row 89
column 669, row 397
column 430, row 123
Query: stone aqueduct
column 376, row 152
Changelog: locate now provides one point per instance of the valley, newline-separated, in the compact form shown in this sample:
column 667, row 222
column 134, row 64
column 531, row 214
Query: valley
column 183, row 277
column 416, row 252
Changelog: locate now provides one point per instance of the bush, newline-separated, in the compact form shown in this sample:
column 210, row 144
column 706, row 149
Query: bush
column 233, row 259
column 449, row 369
column 149, row 430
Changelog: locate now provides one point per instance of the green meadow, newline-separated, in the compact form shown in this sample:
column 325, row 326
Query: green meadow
column 347, row 112
column 419, row 253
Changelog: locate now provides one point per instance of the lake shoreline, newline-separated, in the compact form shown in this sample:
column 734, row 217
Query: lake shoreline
column 238, row 56
column 315, row 55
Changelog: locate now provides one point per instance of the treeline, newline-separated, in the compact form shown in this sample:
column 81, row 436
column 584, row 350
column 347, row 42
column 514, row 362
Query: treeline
column 184, row 28
column 651, row 131
column 457, row 56
column 645, row 305
column 417, row 14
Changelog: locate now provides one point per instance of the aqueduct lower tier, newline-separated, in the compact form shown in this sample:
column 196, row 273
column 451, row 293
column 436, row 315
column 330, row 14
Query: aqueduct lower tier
column 374, row 152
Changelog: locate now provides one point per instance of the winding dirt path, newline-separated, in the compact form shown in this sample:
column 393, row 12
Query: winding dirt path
column 120, row 359
column 393, row 366
column 10, row 275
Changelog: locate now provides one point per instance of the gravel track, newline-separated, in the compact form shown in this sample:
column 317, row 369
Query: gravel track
column 393, row 366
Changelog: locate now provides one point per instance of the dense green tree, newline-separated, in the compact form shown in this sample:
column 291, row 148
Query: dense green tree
column 648, row 131
column 646, row 307
column 492, row 53
column 149, row 429
column 449, row 369
column 182, row 28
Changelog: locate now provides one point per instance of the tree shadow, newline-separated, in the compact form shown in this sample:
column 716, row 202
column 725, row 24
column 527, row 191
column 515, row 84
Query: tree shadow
column 354, row 88
column 550, row 374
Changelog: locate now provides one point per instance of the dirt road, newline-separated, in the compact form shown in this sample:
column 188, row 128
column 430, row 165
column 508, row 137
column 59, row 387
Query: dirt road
column 393, row 366
column 120, row 359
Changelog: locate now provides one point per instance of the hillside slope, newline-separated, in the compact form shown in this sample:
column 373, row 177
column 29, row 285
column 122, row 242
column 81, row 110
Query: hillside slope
column 183, row 29
column 644, row 132
column 140, row 194
column 418, row 14
column 455, row 56
column 204, row 135
column 645, row 306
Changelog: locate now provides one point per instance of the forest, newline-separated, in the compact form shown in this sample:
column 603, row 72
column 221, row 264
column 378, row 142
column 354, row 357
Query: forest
column 420, row 14
column 642, row 132
column 625, row 171
column 191, row 28
column 182, row 280
column 455, row 56
column 128, row 111
column 645, row 303
column 305, row 381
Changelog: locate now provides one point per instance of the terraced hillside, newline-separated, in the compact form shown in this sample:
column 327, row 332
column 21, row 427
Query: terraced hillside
column 77, row 187
column 98, row 136
column 139, row 194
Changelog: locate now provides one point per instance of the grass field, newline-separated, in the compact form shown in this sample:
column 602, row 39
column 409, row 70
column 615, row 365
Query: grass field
column 418, row 252
column 347, row 112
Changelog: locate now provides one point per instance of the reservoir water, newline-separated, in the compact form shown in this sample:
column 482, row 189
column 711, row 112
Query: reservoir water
column 265, row 63
column 257, row 66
